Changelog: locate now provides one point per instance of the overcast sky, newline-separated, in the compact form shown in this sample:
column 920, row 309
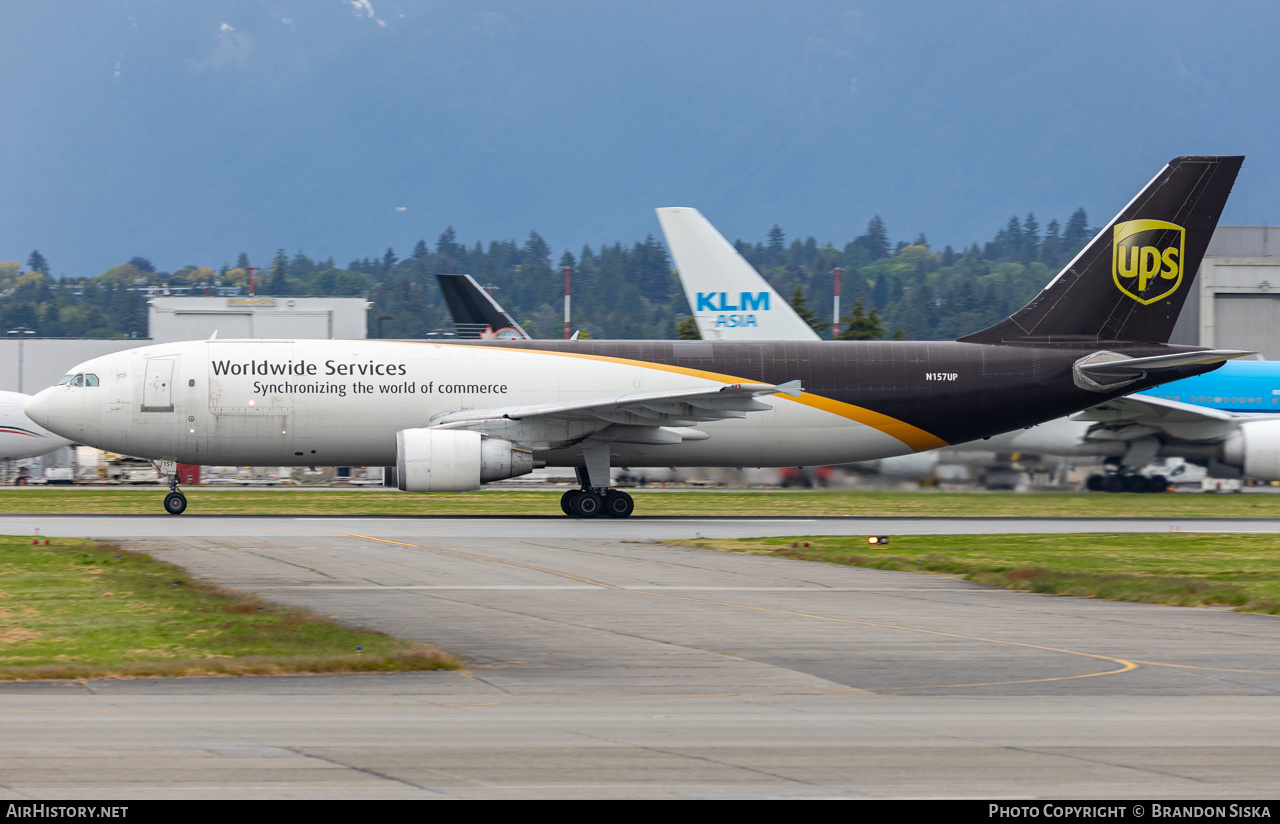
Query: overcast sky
column 189, row 132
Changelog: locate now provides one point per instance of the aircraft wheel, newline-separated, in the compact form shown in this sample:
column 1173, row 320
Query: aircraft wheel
column 1096, row 483
column 586, row 504
column 618, row 504
column 1135, row 483
column 1113, row 483
column 175, row 503
column 1157, row 483
column 566, row 501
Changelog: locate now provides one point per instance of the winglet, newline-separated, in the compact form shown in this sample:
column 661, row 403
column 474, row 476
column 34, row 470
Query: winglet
column 214, row 336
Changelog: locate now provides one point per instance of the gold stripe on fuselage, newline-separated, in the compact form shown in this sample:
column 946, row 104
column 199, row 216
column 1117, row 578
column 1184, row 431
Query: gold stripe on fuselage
column 913, row 436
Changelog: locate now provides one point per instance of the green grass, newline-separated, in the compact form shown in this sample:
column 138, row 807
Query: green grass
column 770, row 503
column 1240, row 571
column 80, row 609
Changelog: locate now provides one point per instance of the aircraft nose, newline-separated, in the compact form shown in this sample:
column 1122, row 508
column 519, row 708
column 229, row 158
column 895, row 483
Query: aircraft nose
column 37, row 408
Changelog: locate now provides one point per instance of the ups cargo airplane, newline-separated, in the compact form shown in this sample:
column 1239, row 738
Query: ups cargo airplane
column 1228, row 422
column 451, row 416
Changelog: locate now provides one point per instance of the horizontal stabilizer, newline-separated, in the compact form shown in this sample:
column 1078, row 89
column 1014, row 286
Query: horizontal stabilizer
column 1126, row 368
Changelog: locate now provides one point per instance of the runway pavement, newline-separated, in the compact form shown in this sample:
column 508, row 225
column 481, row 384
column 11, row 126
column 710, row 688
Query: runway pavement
column 601, row 664
column 555, row 527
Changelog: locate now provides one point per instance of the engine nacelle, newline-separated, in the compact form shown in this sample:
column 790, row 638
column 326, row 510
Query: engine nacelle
column 452, row 460
column 1255, row 449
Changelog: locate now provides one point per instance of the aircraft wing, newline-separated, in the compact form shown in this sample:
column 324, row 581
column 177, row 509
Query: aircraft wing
column 680, row 407
column 1152, row 411
column 640, row 417
column 1182, row 421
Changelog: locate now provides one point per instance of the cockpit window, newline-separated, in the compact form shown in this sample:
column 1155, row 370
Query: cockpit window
column 66, row 379
column 78, row 380
column 90, row 379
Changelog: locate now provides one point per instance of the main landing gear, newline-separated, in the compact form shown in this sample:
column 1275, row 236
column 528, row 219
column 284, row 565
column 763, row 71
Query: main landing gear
column 590, row 501
column 175, row 503
column 1127, row 482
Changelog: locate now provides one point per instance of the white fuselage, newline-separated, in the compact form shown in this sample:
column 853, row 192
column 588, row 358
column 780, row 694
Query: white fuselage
column 335, row 403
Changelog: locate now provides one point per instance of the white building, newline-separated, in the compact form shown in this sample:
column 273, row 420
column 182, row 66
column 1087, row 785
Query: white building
column 29, row 364
column 183, row 318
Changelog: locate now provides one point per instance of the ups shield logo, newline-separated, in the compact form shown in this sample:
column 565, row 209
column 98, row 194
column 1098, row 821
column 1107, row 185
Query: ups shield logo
column 1146, row 258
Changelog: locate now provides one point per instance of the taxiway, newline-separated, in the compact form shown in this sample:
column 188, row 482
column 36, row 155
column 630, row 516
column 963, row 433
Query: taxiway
column 601, row 664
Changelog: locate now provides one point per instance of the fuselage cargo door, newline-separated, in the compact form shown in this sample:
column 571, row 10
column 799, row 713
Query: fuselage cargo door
column 157, row 386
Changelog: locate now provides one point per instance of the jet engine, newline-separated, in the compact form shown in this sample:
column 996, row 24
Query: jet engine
column 1255, row 449
column 453, row 460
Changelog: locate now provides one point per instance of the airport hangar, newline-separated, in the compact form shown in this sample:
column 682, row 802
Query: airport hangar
column 30, row 363
column 1238, row 294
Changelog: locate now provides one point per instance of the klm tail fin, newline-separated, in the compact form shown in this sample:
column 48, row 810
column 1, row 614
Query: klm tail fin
column 729, row 299
column 1130, row 282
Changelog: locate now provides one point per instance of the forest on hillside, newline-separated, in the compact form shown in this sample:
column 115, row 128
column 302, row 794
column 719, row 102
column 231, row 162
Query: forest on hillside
column 619, row 291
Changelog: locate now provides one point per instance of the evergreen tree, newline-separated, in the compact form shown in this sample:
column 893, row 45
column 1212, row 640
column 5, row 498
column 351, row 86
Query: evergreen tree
column 687, row 329
column 860, row 324
column 880, row 291
column 37, row 263
column 446, row 244
column 1077, row 231
column 1051, row 247
column 537, row 250
column 420, row 250
column 1030, row 239
column 389, row 260
column 301, row 267
column 141, row 264
column 1031, row 229
column 777, row 240
column 801, row 306
column 876, row 240
column 279, row 281
column 242, row 262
